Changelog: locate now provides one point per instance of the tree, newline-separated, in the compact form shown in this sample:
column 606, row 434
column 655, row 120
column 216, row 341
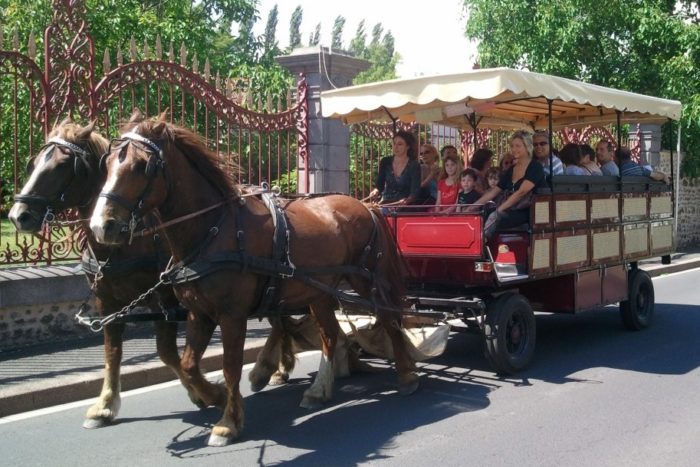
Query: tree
column 337, row 36
column 357, row 45
column 381, row 54
column 315, row 37
column 648, row 46
column 294, row 25
column 269, row 40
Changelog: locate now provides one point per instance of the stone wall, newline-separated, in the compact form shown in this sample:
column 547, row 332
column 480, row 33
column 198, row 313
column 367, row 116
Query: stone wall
column 688, row 222
column 39, row 304
column 33, row 324
column 688, row 234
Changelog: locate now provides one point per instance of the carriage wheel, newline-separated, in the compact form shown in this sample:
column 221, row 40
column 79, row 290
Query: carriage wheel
column 509, row 333
column 638, row 310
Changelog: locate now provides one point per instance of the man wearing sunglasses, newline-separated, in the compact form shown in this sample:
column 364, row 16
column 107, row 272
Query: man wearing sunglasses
column 540, row 143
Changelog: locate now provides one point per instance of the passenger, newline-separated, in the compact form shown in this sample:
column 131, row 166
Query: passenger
column 542, row 150
column 571, row 157
column 606, row 158
column 468, row 193
column 588, row 160
column 481, row 162
column 629, row 167
column 505, row 162
column 492, row 176
column 448, row 185
column 448, row 149
column 398, row 180
column 518, row 184
column 430, row 172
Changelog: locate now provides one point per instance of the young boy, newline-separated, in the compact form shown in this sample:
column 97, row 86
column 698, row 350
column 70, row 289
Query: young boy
column 467, row 194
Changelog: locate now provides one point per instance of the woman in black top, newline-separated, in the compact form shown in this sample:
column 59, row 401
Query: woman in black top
column 398, row 180
column 518, row 183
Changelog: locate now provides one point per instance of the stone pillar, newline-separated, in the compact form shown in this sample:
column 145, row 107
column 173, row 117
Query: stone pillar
column 649, row 136
column 329, row 139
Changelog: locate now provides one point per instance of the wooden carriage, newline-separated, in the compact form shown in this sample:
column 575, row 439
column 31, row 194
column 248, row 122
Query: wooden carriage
column 586, row 234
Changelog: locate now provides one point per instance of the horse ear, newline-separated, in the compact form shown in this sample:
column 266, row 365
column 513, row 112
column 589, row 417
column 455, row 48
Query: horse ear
column 84, row 132
column 163, row 117
column 136, row 116
column 159, row 128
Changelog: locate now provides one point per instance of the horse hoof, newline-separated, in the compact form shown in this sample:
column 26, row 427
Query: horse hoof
column 311, row 403
column 91, row 423
column 199, row 403
column 408, row 388
column 278, row 379
column 257, row 386
column 218, row 441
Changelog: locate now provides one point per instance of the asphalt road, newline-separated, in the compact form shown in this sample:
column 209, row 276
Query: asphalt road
column 596, row 395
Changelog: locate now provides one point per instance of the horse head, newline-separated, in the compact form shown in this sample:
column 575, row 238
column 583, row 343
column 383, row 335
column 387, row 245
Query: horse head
column 135, row 180
column 62, row 175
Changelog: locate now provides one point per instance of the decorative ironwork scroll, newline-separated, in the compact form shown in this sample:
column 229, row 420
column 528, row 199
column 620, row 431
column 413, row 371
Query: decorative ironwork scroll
column 67, row 86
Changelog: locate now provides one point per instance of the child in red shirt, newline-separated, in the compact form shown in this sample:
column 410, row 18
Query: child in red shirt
column 448, row 185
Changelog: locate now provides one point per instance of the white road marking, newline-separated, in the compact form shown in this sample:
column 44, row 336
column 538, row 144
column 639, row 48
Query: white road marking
column 212, row 375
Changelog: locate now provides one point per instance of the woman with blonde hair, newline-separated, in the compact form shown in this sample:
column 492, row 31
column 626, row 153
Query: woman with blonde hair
column 430, row 172
column 517, row 184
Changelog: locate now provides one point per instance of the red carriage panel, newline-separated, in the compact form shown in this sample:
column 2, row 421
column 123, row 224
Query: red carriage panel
column 440, row 236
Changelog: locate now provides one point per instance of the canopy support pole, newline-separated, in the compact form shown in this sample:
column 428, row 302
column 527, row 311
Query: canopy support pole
column 393, row 119
column 551, row 152
column 619, row 130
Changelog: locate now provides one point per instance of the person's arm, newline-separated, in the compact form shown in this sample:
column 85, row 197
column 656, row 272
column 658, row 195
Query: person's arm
column 660, row 176
column 415, row 183
column 525, row 187
column 489, row 195
column 380, row 181
column 438, row 201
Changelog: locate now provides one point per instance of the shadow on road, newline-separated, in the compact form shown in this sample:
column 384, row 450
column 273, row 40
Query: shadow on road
column 366, row 414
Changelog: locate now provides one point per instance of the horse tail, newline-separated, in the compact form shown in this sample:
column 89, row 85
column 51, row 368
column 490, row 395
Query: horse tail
column 390, row 269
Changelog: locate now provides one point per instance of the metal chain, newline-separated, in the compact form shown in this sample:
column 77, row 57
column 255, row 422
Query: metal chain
column 98, row 324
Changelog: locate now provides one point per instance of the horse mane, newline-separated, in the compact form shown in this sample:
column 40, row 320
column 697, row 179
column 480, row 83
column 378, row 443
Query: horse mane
column 194, row 149
column 95, row 143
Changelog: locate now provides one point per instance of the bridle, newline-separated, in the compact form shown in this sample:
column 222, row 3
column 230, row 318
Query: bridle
column 81, row 169
column 155, row 163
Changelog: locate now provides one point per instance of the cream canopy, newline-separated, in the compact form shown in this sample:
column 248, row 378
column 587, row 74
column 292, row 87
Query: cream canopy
column 495, row 98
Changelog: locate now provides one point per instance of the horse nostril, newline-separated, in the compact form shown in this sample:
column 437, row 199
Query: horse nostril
column 23, row 218
column 110, row 227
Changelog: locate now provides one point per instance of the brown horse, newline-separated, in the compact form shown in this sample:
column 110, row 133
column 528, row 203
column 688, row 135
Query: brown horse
column 223, row 246
column 65, row 175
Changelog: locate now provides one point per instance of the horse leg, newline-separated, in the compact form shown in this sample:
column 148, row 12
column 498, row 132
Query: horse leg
column 201, row 391
column 106, row 408
column 233, row 332
column 405, row 366
column 322, row 388
column 270, row 357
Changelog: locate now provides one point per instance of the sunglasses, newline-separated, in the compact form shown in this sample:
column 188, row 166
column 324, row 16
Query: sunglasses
column 541, row 143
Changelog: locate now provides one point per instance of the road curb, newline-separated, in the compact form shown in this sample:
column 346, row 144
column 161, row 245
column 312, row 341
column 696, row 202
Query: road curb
column 660, row 270
column 89, row 385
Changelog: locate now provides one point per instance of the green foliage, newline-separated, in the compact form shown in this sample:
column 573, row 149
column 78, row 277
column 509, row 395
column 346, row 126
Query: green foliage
column 647, row 46
column 337, row 36
column 380, row 53
column 315, row 37
column 294, row 25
